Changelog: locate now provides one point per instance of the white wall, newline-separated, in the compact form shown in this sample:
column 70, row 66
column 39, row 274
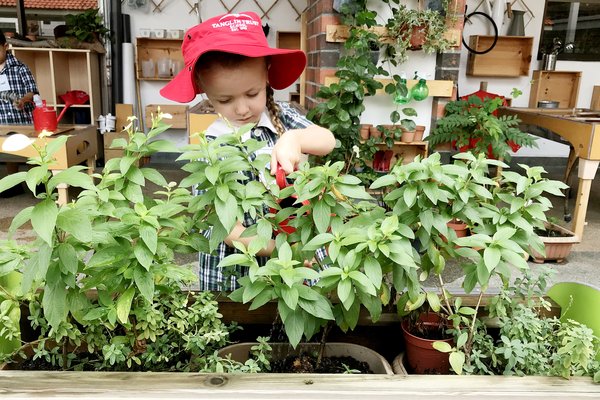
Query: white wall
column 504, row 86
column 175, row 15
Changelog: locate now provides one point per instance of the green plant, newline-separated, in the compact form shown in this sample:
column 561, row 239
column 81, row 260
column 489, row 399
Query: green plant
column 413, row 29
column 372, row 250
column 527, row 342
column 87, row 26
column 343, row 102
column 473, row 125
column 101, row 274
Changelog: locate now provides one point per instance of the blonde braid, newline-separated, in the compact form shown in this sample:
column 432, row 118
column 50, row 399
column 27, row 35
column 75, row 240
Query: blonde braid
column 274, row 110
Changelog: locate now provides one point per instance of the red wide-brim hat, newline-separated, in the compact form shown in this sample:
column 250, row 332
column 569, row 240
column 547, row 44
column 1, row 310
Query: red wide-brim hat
column 232, row 33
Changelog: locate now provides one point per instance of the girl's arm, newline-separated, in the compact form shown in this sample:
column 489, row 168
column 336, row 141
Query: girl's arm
column 235, row 234
column 295, row 142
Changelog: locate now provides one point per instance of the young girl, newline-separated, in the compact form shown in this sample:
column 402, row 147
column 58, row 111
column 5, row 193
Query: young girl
column 228, row 58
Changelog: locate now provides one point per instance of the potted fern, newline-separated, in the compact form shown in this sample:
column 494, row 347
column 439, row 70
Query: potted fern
column 472, row 125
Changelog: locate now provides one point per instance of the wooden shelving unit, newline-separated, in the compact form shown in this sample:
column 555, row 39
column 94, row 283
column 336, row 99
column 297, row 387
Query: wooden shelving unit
column 340, row 33
column 561, row 86
column 57, row 71
column 510, row 57
column 155, row 49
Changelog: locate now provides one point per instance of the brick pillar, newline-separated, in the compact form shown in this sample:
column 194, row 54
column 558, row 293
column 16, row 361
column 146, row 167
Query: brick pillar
column 448, row 62
column 322, row 56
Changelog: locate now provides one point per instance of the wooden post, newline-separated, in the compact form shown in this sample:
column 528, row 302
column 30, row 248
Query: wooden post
column 587, row 172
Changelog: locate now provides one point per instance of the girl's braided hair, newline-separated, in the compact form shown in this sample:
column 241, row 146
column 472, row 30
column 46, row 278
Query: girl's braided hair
column 222, row 59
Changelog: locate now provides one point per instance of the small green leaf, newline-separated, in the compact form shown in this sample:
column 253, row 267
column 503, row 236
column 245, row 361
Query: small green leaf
column 457, row 360
column 43, row 219
column 124, row 305
column 144, row 280
column 444, row 347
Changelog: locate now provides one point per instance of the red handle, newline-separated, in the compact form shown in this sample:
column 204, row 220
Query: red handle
column 62, row 112
column 280, row 177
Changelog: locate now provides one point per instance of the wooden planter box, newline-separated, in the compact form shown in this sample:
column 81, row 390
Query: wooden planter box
column 174, row 385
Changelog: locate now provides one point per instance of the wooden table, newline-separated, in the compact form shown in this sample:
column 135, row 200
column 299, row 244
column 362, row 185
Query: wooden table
column 81, row 146
column 581, row 129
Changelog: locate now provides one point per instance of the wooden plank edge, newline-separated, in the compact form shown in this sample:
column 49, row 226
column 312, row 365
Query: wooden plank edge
column 437, row 88
column 135, row 385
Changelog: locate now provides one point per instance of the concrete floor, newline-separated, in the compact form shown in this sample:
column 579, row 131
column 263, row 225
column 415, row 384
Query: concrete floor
column 581, row 266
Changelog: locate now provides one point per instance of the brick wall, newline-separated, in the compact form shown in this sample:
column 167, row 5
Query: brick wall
column 322, row 56
column 448, row 63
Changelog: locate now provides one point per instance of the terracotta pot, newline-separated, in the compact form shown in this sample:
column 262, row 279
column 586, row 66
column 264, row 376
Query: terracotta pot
column 418, row 36
column 407, row 136
column 374, row 132
column 364, row 131
column 460, row 228
column 421, row 357
column 419, row 133
column 377, row 363
column 557, row 248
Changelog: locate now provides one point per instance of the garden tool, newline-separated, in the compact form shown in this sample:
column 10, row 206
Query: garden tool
column 287, row 202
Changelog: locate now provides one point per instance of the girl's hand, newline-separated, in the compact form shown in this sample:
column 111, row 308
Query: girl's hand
column 287, row 152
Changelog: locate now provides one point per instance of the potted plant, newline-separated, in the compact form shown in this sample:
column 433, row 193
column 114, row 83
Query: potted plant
column 342, row 103
column 372, row 250
column 517, row 337
column 502, row 214
column 87, row 26
column 414, row 29
column 472, row 125
column 558, row 242
column 101, row 274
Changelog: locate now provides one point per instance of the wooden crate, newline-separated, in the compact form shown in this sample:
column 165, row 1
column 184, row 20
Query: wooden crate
column 561, row 86
column 122, row 111
column 510, row 57
column 199, row 123
column 179, row 114
column 82, row 144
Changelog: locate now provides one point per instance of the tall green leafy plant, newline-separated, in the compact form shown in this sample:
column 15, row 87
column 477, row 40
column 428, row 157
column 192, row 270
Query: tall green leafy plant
column 102, row 273
column 372, row 250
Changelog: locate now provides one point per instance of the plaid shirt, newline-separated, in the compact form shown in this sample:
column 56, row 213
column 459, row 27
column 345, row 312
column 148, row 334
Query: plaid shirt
column 211, row 277
column 21, row 82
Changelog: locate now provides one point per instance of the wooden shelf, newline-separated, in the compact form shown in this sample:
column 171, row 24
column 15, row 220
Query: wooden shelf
column 57, row 71
column 437, row 88
column 340, row 33
column 155, row 49
column 561, row 86
column 510, row 57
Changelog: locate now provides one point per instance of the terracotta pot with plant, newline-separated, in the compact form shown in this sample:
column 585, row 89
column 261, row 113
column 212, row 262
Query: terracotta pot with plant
column 420, row 335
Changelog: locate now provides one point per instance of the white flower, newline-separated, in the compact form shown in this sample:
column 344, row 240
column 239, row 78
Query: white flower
column 356, row 151
column 16, row 142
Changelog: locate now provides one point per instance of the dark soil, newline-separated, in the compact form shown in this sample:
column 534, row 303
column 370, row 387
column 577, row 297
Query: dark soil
column 551, row 233
column 305, row 363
